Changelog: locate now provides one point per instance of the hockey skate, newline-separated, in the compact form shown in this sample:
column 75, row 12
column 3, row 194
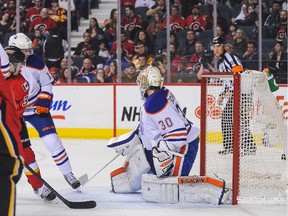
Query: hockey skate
column 44, row 193
column 72, row 181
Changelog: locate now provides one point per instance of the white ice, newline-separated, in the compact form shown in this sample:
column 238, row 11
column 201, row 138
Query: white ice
column 89, row 156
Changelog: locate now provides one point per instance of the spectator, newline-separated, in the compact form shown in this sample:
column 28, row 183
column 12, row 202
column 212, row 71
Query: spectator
column 126, row 45
column 141, row 50
column 87, row 73
column 44, row 23
column 95, row 31
column 243, row 12
column 281, row 29
column 274, row 18
column 176, row 63
column 100, row 75
column 59, row 15
column 64, row 4
column 195, row 21
column 278, row 63
column 109, row 26
column 83, row 46
column 130, row 74
column 64, row 77
column 239, row 43
column 38, row 42
column 250, row 57
column 156, row 25
column 34, row 11
column 232, row 31
column 228, row 47
column 131, row 22
column 178, row 3
column 143, row 36
column 111, row 73
column 55, row 73
column 220, row 32
column 11, row 10
column 191, row 72
column 159, row 6
column 103, row 51
column 64, row 65
column 174, row 40
column 177, row 22
column 54, row 48
column 4, row 26
column 187, row 47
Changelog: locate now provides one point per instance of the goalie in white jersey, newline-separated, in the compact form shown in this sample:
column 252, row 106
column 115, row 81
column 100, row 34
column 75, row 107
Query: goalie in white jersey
column 37, row 112
column 162, row 150
column 163, row 121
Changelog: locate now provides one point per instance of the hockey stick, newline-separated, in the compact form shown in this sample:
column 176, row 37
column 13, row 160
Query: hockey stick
column 84, row 178
column 70, row 204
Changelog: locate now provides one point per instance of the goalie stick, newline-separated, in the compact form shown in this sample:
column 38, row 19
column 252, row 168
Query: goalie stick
column 70, row 204
column 84, row 178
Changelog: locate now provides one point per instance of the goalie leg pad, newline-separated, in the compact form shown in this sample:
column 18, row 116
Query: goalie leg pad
column 128, row 178
column 188, row 189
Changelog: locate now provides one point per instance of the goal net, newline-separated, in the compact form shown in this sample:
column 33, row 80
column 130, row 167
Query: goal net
column 243, row 136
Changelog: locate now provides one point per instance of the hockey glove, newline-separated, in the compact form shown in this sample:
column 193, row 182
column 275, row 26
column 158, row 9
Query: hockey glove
column 165, row 146
column 163, row 162
column 43, row 103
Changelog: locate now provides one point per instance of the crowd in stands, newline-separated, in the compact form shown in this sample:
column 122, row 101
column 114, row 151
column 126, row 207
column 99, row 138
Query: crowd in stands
column 143, row 37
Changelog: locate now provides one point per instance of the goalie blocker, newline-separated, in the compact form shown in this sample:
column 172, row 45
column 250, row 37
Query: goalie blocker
column 185, row 189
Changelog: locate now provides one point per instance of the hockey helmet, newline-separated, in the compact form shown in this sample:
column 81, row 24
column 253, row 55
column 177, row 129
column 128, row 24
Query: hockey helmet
column 16, row 57
column 149, row 77
column 21, row 41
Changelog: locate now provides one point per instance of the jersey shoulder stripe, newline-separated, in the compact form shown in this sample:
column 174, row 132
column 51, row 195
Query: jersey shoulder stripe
column 157, row 101
column 35, row 61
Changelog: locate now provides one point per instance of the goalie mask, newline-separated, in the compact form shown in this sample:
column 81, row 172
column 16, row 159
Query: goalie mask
column 149, row 77
column 23, row 42
column 16, row 58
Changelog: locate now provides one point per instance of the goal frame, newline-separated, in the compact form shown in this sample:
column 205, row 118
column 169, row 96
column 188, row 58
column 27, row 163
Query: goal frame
column 236, row 127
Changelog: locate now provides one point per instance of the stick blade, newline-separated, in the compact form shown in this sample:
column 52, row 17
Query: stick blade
column 83, row 179
column 82, row 205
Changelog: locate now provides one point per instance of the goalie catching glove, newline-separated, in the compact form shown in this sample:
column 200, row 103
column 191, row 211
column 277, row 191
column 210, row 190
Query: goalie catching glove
column 163, row 158
column 43, row 103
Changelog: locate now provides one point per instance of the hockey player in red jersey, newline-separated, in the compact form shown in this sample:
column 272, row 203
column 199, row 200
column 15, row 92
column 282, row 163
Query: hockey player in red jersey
column 20, row 89
column 10, row 150
column 37, row 112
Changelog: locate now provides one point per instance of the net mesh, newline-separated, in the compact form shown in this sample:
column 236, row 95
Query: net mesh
column 263, row 137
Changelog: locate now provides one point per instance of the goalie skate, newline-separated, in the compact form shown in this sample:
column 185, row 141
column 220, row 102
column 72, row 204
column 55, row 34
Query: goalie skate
column 72, row 181
column 44, row 193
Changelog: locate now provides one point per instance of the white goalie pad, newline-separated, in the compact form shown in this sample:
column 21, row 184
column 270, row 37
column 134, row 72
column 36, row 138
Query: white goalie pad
column 185, row 189
column 125, row 142
column 127, row 179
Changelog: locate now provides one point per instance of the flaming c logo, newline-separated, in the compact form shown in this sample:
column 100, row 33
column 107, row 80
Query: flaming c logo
column 213, row 111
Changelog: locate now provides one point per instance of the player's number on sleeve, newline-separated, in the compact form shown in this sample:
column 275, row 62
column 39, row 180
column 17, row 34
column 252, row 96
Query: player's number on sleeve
column 165, row 123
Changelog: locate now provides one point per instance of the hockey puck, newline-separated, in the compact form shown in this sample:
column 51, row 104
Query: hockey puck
column 283, row 157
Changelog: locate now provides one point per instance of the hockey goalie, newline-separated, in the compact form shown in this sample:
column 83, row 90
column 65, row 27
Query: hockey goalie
column 161, row 151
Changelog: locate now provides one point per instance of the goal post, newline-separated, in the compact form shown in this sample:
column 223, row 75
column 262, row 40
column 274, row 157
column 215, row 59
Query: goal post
column 243, row 139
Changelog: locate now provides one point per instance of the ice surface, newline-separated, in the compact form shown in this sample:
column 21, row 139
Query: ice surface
column 89, row 156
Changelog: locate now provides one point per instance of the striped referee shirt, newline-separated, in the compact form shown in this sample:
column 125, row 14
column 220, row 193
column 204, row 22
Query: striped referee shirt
column 229, row 63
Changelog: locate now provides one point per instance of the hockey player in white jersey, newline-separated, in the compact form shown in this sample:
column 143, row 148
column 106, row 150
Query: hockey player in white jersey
column 37, row 112
column 161, row 151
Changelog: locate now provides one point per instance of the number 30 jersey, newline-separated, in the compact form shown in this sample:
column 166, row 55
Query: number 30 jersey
column 162, row 118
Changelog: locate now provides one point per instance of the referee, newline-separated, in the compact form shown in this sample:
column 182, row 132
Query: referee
column 230, row 63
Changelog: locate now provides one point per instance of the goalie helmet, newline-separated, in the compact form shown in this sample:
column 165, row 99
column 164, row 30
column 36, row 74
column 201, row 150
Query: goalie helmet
column 16, row 57
column 149, row 77
column 23, row 42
